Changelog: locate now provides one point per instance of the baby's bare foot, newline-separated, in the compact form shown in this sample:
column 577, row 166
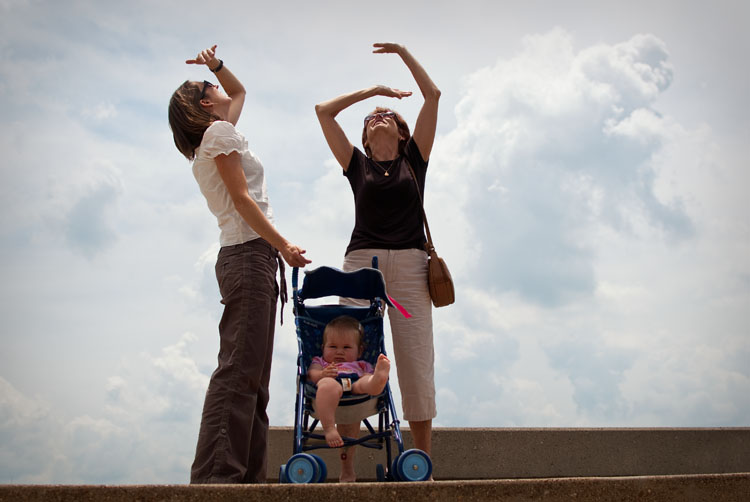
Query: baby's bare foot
column 333, row 438
column 383, row 365
column 380, row 375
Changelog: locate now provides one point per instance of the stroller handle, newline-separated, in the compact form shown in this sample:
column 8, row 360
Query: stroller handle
column 364, row 283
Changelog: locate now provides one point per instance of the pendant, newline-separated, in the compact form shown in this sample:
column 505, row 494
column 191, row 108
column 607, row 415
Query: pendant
column 386, row 173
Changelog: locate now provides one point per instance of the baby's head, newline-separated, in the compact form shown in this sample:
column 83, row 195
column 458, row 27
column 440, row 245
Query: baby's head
column 343, row 340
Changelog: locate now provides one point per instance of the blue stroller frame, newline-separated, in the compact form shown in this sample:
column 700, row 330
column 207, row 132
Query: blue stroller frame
column 310, row 321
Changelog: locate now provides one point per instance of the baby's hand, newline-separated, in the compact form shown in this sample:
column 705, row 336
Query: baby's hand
column 332, row 371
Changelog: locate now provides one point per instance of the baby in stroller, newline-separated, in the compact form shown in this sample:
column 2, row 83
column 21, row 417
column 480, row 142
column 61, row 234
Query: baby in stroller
column 318, row 327
column 340, row 371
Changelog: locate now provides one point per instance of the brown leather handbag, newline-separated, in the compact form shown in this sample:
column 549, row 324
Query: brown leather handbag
column 438, row 276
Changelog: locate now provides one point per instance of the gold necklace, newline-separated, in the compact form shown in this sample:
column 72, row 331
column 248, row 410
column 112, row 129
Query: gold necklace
column 385, row 171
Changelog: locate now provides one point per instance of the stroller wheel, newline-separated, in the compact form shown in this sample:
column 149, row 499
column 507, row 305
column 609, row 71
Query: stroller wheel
column 414, row 465
column 302, row 468
column 282, row 477
column 394, row 470
column 379, row 473
column 323, row 470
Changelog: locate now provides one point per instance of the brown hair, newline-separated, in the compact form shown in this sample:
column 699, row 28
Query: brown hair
column 345, row 323
column 188, row 119
column 403, row 131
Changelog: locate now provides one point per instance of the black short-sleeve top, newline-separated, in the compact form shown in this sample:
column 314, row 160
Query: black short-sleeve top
column 388, row 212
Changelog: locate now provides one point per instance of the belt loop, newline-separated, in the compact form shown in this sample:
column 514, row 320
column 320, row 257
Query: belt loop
column 282, row 286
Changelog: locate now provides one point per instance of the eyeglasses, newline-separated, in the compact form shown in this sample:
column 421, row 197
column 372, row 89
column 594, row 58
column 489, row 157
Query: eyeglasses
column 383, row 115
column 206, row 85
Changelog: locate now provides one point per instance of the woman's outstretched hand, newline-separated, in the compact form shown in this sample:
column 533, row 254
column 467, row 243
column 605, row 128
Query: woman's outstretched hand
column 203, row 56
column 293, row 255
column 384, row 90
column 386, row 48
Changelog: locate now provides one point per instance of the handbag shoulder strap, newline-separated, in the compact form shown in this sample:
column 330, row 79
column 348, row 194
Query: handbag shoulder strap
column 429, row 245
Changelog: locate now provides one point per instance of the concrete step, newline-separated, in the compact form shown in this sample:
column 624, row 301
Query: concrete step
column 514, row 453
column 662, row 465
column 715, row 488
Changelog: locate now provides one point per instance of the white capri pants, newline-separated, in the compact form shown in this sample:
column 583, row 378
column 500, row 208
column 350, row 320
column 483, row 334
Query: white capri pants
column 405, row 272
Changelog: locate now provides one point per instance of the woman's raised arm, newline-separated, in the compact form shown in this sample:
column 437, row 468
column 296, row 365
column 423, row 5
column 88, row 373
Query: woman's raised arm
column 424, row 128
column 339, row 144
column 232, row 86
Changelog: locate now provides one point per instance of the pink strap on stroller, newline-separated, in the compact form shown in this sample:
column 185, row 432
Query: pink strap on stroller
column 399, row 307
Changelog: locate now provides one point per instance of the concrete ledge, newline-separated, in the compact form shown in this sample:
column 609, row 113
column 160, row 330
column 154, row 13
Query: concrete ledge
column 662, row 465
column 468, row 454
column 717, row 488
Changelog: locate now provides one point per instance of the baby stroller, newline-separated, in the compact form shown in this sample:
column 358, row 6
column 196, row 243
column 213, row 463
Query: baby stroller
column 368, row 284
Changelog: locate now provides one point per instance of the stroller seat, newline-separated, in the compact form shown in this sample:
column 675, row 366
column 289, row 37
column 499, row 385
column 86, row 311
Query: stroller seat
column 311, row 322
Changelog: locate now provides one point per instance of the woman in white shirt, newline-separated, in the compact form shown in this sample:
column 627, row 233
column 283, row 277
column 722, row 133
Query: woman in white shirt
column 234, row 426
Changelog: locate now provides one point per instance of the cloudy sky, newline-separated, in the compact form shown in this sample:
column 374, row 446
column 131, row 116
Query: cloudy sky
column 586, row 188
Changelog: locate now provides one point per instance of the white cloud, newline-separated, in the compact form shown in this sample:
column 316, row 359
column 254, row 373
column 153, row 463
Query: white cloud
column 88, row 225
column 599, row 192
column 571, row 139
column 101, row 111
column 153, row 407
column 22, row 419
column 631, row 74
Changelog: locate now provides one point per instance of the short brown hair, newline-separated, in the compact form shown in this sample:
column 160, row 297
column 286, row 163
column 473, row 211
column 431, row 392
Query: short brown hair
column 188, row 119
column 403, row 131
column 345, row 323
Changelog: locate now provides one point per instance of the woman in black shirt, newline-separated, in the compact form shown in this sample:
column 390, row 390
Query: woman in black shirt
column 388, row 224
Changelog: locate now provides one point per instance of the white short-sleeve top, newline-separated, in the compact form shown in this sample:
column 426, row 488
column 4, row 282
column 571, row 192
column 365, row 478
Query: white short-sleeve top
column 223, row 138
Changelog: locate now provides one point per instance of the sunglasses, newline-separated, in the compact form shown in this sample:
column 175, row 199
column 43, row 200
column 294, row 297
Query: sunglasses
column 206, row 85
column 383, row 115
